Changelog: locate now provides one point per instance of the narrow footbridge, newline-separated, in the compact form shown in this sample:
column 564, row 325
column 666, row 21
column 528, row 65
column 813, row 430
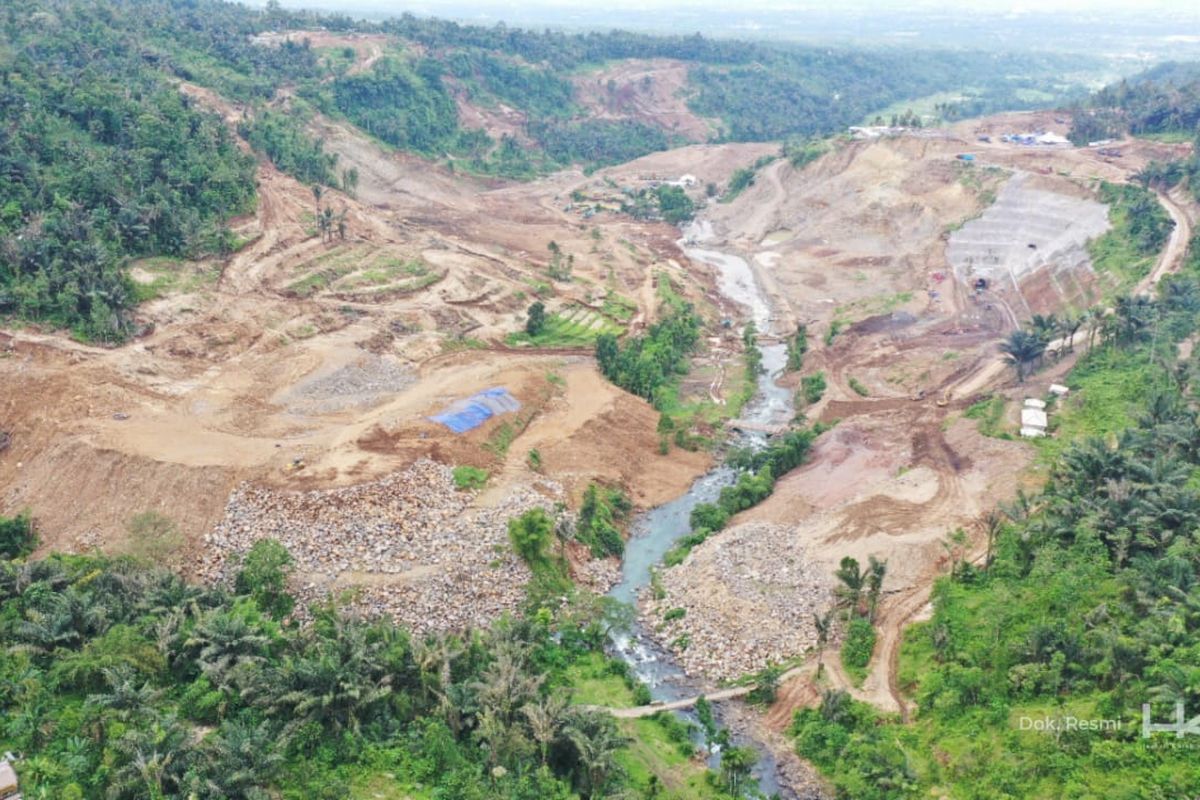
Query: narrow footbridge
column 757, row 427
column 675, row 705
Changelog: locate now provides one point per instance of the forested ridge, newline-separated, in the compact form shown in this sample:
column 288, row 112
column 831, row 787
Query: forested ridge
column 1163, row 100
column 103, row 160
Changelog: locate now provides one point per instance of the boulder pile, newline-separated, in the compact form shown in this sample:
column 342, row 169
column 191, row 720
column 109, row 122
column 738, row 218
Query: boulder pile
column 747, row 595
column 411, row 545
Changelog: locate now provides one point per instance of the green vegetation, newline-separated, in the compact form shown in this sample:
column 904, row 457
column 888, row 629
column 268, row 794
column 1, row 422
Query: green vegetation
column 802, row 151
column 1083, row 607
column 765, row 92
column 675, row 206
column 535, row 319
column 154, row 538
column 618, row 307
column 102, row 159
column 797, row 346
column 577, row 326
column 1162, row 100
column 282, row 139
column 530, row 534
column 857, row 648
column 647, row 365
column 263, row 578
column 743, row 178
column 17, row 539
column 757, row 472
column 601, row 515
column 858, row 387
column 597, row 143
column 1140, row 228
column 835, row 327
column 989, row 412
column 812, row 387
column 121, row 681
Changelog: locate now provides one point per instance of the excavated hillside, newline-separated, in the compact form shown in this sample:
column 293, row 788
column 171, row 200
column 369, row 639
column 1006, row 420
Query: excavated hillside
column 877, row 248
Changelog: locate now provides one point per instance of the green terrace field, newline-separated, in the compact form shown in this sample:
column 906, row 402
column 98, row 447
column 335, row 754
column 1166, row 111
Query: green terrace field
column 359, row 273
column 573, row 326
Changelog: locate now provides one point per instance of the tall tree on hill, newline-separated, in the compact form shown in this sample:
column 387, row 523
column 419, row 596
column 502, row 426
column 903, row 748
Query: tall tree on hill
column 1023, row 349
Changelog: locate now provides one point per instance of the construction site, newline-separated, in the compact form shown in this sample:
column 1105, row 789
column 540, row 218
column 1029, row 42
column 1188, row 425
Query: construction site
column 321, row 389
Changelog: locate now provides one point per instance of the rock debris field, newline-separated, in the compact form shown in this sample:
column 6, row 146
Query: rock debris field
column 413, row 546
column 749, row 595
column 363, row 382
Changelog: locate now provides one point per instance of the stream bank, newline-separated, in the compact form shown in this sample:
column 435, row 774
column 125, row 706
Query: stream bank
column 657, row 530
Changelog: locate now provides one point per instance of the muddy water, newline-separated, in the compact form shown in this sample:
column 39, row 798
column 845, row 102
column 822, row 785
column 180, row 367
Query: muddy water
column 657, row 530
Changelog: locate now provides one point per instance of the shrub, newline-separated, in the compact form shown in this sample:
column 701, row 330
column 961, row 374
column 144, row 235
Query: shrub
column 154, row 537
column 263, row 577
column 466, row 477
column 602, row 510
column 530, row 534
column 708, row 516
column 812, row 387
column 859, row 644
column 16, row 536
column 858, row 388
column 535, row 322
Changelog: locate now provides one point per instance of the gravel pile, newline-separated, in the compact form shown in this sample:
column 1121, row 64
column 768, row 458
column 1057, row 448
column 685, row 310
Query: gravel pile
column 749, row 595
column 413, row 546
column 364, row 382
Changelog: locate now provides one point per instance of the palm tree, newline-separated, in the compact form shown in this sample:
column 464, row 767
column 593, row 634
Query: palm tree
column 150, row 762
column 736, row 763
column 1133, row 316
column 876, row 570
column 823, row 623
column 545, row 717
column 337, row 680
column 1044, row 326
column 991, row 523
column 223, row 642
column 853, row 581
column 597, row 742
column 240, row 757
column 1068, row 326
column 505, row 686
column 1021, row 349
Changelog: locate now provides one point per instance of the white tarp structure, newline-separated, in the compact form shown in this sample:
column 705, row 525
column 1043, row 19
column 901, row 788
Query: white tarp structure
column 1033, row 422
column 1033, row 402
column 1059, row 389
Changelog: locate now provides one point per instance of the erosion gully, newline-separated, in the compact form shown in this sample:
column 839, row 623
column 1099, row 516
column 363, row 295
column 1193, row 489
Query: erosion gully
column 657, row 530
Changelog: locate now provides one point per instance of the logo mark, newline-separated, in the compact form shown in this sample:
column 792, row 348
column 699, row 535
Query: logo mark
column 1180, row 727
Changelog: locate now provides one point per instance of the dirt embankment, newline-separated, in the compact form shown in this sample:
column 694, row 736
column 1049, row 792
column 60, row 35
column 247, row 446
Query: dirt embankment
column 310, row 362
column 855, row 246
column 654, row 91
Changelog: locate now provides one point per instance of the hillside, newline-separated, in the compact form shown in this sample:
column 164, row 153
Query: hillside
column 485, row 101
column 404, row 408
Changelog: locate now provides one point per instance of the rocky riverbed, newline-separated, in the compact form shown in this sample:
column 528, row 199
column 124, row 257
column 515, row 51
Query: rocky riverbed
column 747, row 595
column 410, row 546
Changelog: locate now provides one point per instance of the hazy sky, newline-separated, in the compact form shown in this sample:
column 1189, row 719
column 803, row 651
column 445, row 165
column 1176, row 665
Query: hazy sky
column 854, row 6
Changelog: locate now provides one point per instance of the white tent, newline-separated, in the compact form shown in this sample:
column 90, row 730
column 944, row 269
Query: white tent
column 1033, row 422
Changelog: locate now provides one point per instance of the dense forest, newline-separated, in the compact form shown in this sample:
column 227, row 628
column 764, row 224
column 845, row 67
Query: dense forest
column 1084, row 608
column 1161, row 101
column 119, row 681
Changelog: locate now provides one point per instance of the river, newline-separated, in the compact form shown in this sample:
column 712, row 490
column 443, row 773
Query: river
column 657, row 530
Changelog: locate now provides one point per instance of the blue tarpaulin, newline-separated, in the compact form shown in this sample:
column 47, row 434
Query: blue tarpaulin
column 471, row 412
